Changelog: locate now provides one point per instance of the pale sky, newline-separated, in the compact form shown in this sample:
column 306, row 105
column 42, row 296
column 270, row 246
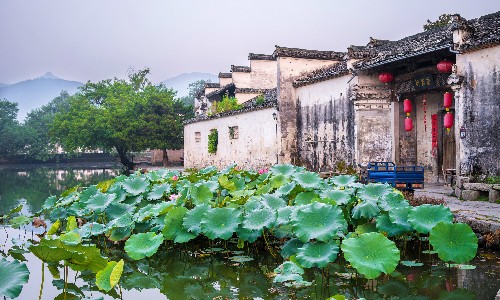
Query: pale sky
column 100, row 39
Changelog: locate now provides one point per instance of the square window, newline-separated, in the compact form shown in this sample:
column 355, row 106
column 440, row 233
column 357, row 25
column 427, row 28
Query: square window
column 233, row 132
column 197, row 137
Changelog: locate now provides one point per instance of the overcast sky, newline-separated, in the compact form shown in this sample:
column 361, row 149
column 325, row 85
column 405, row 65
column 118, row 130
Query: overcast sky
column 99, row 39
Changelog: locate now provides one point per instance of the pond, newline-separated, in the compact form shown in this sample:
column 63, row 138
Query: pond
column 206, row 269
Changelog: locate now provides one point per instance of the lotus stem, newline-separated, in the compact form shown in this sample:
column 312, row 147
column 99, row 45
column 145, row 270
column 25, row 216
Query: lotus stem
column 267, row 244
column 41, row 285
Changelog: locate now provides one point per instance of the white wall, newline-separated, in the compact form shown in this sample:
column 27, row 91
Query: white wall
column 263, row 74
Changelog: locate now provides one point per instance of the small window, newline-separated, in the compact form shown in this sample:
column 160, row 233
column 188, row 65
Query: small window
column 197, row 137
column 233, row 132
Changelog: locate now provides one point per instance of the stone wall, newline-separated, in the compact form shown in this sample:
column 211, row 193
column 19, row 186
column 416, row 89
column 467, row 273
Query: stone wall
column 263, row 74
column 325, row 124
column 242, row 80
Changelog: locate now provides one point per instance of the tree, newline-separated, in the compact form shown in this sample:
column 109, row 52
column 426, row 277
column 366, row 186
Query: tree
column 443, row 20
column 9, row 128
column 125, row 115
column 196, row 90
column 38, row 143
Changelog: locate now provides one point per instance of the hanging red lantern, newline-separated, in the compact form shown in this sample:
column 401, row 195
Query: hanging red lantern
column 407, row 106
column 385, row 77
column 445, row 66
column 448, row 121
column 408, row 124
column 448, row 101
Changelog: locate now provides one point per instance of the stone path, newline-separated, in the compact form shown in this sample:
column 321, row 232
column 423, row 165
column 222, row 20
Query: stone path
column 483, row 217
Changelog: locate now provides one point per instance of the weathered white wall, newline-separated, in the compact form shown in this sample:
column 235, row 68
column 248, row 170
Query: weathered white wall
column 288, row 69
column 242, row 79
column 478, row 112
column 326, row 124
column 255, row 147
column 244, row 97
column 263, row 74
column 209, row 90
column 225, row 81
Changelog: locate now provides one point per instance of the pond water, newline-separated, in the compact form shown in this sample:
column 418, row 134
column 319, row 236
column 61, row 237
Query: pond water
column 208, row 270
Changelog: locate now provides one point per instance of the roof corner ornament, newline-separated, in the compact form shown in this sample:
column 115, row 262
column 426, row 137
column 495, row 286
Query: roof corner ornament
column 462, row 31
column 455, row 80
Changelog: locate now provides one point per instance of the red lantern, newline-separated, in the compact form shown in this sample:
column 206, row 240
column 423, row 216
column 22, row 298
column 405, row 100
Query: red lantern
column 448, row 120
column 445, row 66
column 407, row 106
column 408, row 124
column 385, row 77
column 448, row 100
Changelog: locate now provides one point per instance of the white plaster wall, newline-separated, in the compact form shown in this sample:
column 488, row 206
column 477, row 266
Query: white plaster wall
column 225, row 81
column 209, row 90
column 263, row 74
column 242, row 79
column 256, row 146
column 244, row 97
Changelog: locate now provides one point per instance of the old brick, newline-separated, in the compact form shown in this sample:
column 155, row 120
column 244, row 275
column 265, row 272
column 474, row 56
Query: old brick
column 477, row 186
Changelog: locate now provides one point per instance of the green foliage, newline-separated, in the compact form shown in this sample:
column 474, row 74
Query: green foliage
column 259, row 100
column 108, row 277
column 443, row 20
column 10, row 129
column 424, row 217
column 142, row 245
column 213, row 141
column 226, row 104
column 454, row 242
column 13, row 276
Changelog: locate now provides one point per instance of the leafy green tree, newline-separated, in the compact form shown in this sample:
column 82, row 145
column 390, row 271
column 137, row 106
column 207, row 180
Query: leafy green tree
column 9, row 128
column 124, row 115
column 196, row 89
column 443, row 20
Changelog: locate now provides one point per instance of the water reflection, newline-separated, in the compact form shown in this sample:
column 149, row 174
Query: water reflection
column 34, row 185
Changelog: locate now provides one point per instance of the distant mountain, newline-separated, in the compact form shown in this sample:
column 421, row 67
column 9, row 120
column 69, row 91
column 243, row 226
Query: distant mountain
column 31, row 94
column 181, row 82
column 3, row 84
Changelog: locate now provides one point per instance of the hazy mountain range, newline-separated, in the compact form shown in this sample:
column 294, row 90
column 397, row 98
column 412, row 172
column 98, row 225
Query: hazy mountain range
column 33, row 93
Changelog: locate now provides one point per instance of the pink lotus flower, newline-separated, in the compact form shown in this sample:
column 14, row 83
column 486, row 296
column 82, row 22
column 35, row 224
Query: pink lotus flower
column 175, row 178
column 173, row 197
column 262, row 171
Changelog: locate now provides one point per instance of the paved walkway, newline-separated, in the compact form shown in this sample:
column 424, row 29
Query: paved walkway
column 482, row 216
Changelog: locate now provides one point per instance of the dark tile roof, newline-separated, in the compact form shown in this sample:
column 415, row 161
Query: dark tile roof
column 255, row 56
column 325, row 73
column 212, row 85
column 485, row 32
column 304, row 53
column 270, row 100
column 244, row 69
column 251, row 91
column 220, row 91
column 359, row 52
column 225, row 75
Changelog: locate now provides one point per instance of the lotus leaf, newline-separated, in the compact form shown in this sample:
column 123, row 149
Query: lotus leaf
column 99, row 202
column 201, row 194
column 287, row 170
column 58, row 213
column 145, row 213
column 119, row 192
column 19, row 221
column 259, row 219
column 317, row 254
column 273, row 201
column 318, row 221
column 278, row 181
column 13, row 276
column 108, row 277
column 174, row 230
column 365, row 228
column 248, row 235
column 291, row 247
column 424, row 217
column 220, row 222
column 343, row 180
column 242, row 194
column 54, row 228
column 116, row 210
column 123, row 221
column 308, row 180
column 142, row 245
column 284, row 214
column 374, row 191
column 70, row 238
column 133, row 200
column 49, row 203
column 226, row 183
column 399, row 216
column 135, row 185
column 266, row 188
column 213, row 185
column 120, row 233
column 384, row 224
column 103, row 186
column 392, row 201
column 71, row 223
column 208, row 170
column 454, row 242
column 371, row 254
column 253, row 203
column 241, row 258
column 306, row 198
column 411, row 263
column 91, row 229
column 341, row 197
column 285, row 190
column 283, row 231
column 158, row 191
column 288, row 271
column 365, row 209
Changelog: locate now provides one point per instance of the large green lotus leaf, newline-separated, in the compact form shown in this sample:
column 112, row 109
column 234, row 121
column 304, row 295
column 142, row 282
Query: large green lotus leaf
column 13, row 276
column 273, row 201
column 341, row 197
column 248, row 235
column 399, row 216
column 242, row 194
column 174, row 230
column 161, row 208
column 259, row 219
column 99, row 202
column 85, row 258
column 278, row 181
column 210, row 170
column 19, row 221
column 220, row 222
column 283, row 231
column 454, row 242
column 135, row 185
column 288, row 271
column 116, row 210
column 317, row 254
column 424, row 217
column 58, row 213
column 87, row 193
column 158, row 191
column 71, row 223
column 374, row 191
column 120, row 233
column 371, row 254
column 226, row 183
column 118, row 191
column 392, row 201
column 48, row 251
column 49, row 203
column 306, row 198
column 133, row 200
column 253, row 203
column 343, row 180
column 201, row 194
column 108, row 277
column 285, row 190
column 284, row 214
column 365, row 209
column 318, row 221
column 70, row 238
column 384, row 224
column 287, row 170
column 308, row 180
column 91, row 229
column 291, row 247
column 123, row 221
column 142, row 245
column 264, row 189
column 145, row 213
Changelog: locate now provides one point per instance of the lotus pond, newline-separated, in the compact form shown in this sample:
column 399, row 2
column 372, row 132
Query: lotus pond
column 282, row 233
